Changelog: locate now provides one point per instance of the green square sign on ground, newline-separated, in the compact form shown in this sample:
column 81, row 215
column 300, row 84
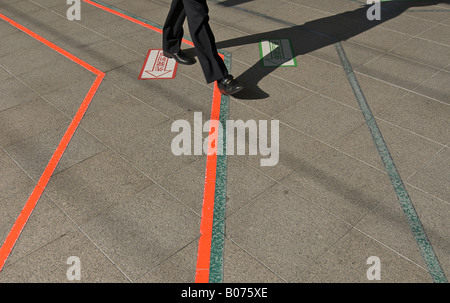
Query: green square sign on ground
column 276, row 52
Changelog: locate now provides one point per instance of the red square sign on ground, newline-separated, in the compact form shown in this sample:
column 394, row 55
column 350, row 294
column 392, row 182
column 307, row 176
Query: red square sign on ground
column 158, row 66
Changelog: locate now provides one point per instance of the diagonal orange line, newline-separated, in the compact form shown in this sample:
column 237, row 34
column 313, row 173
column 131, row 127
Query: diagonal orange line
column 11, row 238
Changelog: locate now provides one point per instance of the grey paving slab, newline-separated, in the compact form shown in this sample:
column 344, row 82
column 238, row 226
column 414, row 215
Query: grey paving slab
column 155, row 11
column 408, row 25
column 151, row 152
column 346, row 262
column 89, row 188
column 358, row 53
column 6, row 29
column 408, row 150
column 295, row 149
column 4, row 75
column 33, row 154
column 16, row 41
column 124, row 119
column 257, row 25
column 396, row 70
column 144, row 230
column 241, row 267
column 380, row 38
column 27, row 120
column 48, row 3
column 11, row 206
column 46, row 224
column 187, row 184
column 61, row 8
column 439, row 13
column 438, row 33
column 387, row 225
column 51, row 78
column 436, row 87
column 433, row 177
column 274, row 229
column 178, row 268
column 427, row 52
column 345, row 187
column 292, row 12
column 25, row 60
column 139, row 40
column 379, row 94
column 225, row 16
column 421, row 115
column 317, row 115
column 331, row 7
column 38, row 16
column 49, row 264
column 92, row 17
column 13, row 178
column 14, row 93
column 19, row 6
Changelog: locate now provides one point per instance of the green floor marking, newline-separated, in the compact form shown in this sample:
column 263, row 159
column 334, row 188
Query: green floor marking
column 417, row 229
column 277, row 52
column 220, row 195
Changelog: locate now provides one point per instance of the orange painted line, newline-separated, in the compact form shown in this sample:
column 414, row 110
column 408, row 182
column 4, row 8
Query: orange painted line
column 206, row 224
column 13, row 235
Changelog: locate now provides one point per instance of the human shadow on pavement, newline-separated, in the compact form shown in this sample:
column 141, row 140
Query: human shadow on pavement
column 314, row 35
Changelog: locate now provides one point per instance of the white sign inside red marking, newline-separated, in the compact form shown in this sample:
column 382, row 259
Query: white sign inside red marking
column 158, row 66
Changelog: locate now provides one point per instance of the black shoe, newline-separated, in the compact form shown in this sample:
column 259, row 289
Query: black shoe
column 229, row 85
column 180, row 57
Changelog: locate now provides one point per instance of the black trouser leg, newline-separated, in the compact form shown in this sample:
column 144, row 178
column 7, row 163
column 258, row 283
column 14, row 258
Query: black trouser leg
column 196, row 12
column 173, row 27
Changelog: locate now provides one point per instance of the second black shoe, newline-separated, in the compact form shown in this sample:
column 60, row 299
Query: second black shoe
column 228, row 85
column 180, row 57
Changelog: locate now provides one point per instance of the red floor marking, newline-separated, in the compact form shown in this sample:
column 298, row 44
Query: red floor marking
column 25, row 214
column 206, row 224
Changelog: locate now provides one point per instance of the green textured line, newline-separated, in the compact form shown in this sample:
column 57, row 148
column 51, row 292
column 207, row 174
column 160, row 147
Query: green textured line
column 425, row 247
column 218, row 232
column 220, row 195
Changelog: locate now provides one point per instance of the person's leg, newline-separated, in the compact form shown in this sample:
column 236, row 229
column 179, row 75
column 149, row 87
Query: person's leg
column 197, row 16
column 173, row 27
